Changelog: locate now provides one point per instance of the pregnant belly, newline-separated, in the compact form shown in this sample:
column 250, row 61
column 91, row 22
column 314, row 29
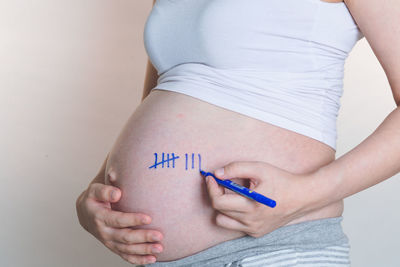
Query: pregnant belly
column 190, row 133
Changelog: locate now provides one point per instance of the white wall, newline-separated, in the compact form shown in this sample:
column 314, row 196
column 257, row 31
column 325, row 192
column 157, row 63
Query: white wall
column 71, row 73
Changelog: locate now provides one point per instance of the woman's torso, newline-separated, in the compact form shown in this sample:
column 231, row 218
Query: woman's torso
column 186, row 116
column 176, row 198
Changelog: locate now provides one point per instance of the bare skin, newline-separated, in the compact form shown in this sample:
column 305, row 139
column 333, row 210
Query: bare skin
column 176, row 198
column 346, row 176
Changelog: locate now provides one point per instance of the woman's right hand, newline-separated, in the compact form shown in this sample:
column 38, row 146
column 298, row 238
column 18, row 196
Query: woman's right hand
column 110, row 227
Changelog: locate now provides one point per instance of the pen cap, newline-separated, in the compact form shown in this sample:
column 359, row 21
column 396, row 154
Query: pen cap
column 260, row 198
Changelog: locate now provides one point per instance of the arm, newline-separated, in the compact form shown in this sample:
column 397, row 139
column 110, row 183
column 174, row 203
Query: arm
column 151, row 76
column 377, row 158
column 150, row 80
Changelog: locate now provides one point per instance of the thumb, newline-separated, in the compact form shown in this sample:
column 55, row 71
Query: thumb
column 251, row 170
column 104, row 193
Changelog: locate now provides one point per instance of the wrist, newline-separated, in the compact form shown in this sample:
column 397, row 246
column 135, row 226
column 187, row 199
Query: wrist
column 321, row 188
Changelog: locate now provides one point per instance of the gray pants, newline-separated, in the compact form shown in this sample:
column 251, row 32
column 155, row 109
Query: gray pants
column 311, row 243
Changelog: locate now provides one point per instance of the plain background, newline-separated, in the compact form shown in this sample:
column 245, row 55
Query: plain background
column 71, row 73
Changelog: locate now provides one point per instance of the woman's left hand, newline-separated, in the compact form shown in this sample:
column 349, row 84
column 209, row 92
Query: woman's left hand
column 239, row 213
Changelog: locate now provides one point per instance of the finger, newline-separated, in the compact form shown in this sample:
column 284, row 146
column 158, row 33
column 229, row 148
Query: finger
column 227, row 202
column 236, row 215
column 230, row 223
column 138, row 249
column 129, row 236
column 104, row 193
column 137, row 259
column 118, row 219
column 213, row 188
column 233, row 202
column 241, row 169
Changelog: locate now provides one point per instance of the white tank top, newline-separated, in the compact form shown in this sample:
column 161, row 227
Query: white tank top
column 279, row 61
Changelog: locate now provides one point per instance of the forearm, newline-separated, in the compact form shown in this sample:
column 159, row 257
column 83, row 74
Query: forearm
column 374, row 160
column 150, row 79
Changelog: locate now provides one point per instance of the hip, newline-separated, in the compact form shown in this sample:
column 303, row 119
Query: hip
column 312, row 243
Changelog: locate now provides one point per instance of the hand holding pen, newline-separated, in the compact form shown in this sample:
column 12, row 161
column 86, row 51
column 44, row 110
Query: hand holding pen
column 286, row 196
column 253, row 195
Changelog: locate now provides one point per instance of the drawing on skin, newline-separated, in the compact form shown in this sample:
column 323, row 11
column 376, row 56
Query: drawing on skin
column 164, row 161
column 186, row 162
column 172, row 159
column 199, row 162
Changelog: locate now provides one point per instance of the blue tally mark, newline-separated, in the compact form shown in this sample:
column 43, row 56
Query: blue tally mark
column 172, row 159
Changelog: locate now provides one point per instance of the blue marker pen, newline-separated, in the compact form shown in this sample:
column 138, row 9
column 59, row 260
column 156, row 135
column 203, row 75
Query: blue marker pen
column 242, row 190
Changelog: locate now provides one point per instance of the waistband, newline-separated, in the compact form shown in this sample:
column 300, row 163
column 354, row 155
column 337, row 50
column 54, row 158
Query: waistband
column 306, row 235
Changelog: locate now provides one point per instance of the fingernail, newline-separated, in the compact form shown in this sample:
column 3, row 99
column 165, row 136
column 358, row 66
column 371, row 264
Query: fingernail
column 113, row 195
column 146, row 220
column 155, row 250
column 219, row 172
column 156, row 238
